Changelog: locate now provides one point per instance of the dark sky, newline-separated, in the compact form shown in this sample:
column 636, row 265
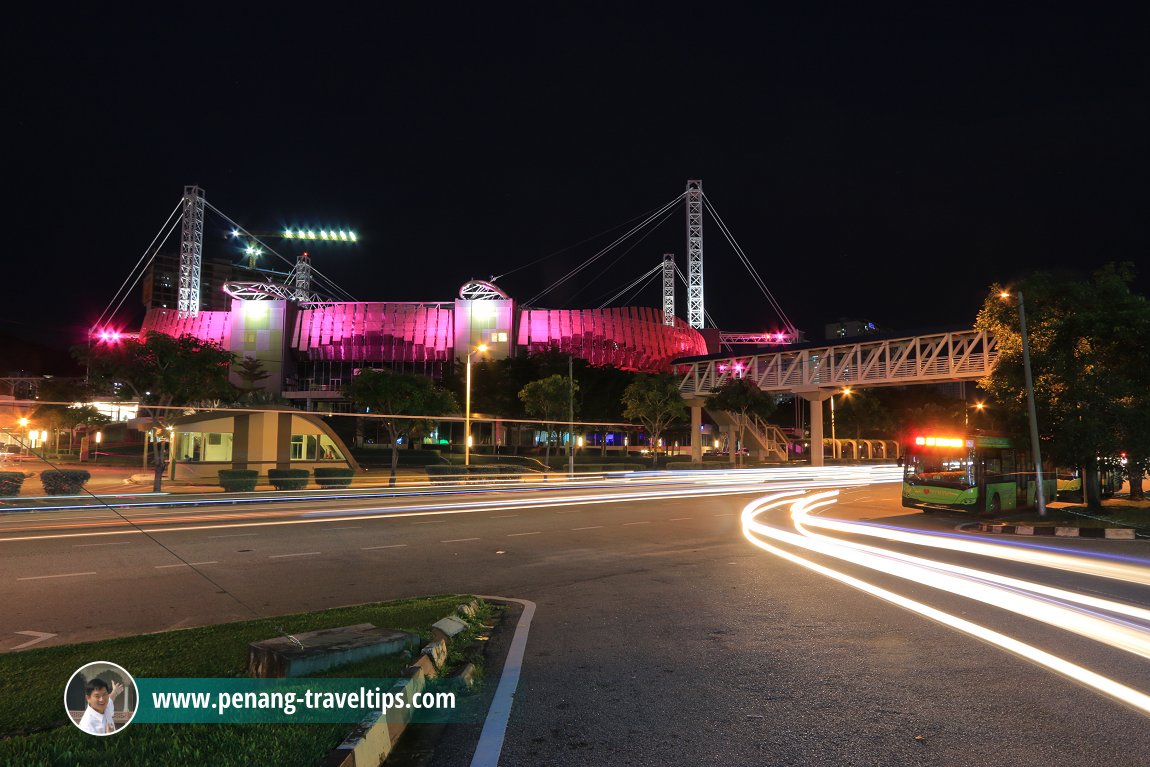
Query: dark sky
column 885, row 165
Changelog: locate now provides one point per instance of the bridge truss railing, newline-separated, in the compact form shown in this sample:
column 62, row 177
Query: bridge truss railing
column 954, row 356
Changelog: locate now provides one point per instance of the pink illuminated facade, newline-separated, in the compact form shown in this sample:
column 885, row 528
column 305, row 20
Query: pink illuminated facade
column 317, row 347
column 630, row 338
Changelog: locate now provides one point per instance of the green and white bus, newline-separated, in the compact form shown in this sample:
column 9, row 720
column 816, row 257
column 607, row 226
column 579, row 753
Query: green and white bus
column 978, row 473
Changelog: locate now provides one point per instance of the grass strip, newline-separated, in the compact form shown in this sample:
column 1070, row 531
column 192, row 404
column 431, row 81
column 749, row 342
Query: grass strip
column 35, row 730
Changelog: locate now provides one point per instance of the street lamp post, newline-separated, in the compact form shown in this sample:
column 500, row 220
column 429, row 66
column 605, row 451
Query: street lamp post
column 834, row 440
column 1039, row 495
column 467, row 407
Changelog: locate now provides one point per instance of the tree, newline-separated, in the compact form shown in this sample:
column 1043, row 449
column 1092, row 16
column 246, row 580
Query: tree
column 399, row 394
column 548, row 399
column 251, row 373
column 1088, row 391
column 741, row 397
column 862, row 413
column 160, row 371
column 655, row 402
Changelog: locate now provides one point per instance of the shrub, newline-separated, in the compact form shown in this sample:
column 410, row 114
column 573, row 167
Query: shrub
column 442, row 473
column 238, row 480
column 10, row 482
column 288, row 479
column 64, row 481
column 328, row 477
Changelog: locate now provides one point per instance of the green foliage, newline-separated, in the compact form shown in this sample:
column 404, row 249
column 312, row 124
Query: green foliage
column 399, row 394
column 655, row 402
column 744, row 398
column 741, row 395
column 64, row 481
column 251, row 373
column 333, row 477
column 1091, row 392
column 549, row 399
column 162, row 370
column 238, row 480
column 288, row 479
column 10, row 482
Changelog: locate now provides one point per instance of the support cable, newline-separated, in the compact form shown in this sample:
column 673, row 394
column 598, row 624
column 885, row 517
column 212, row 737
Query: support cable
column 107, row 315
column 750, row 267
column 619, row 257
column 657, row 268
column 498, row 277
column 602, row 252
column 706, row 314
column 141, row 274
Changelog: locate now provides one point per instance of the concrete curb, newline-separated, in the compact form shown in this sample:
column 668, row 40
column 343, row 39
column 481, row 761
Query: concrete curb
column 1112, row 533
column 370, row 743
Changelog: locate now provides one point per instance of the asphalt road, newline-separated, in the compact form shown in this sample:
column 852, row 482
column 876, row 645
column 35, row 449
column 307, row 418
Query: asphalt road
column 662, row 636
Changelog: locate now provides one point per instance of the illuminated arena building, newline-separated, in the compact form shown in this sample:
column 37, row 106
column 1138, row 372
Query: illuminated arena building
column 313, row 348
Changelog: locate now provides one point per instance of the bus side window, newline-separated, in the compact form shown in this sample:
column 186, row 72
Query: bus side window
column 993, row 468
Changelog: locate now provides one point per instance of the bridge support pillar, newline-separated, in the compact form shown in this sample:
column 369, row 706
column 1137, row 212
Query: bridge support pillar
column 696, row 406
column 816, row 397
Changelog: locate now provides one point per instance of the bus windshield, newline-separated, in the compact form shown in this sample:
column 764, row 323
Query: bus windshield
column 941, row 468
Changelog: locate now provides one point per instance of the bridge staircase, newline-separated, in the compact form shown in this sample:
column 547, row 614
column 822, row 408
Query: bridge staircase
column 761, row 438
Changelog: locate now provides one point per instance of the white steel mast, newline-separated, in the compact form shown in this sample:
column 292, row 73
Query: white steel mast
column 191, row 252
column 668, row 288
column 695, row 310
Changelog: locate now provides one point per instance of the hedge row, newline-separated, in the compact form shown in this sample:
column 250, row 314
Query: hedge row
column 245, row 480
column 56, row 481
column 10, row 482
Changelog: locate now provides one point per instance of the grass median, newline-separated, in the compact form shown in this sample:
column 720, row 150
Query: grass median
column 34, row 728
column 1115, row 512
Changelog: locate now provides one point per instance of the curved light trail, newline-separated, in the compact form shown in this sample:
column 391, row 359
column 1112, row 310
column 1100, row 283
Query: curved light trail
column 1056, row 607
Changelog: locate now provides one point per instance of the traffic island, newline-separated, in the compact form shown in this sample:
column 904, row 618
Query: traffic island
column 373, row 740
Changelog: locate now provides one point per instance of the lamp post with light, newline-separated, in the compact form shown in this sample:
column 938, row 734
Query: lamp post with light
column 978, row 408
column 467, row 407
column 834, row 442
column 1039, row 495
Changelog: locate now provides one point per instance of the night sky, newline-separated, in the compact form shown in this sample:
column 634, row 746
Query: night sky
column 878, row 165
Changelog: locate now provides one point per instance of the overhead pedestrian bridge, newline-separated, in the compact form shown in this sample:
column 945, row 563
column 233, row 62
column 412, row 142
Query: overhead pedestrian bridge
column 816, row 371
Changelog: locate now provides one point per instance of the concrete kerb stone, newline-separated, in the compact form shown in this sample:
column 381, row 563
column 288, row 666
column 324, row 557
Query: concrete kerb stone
column 373, row 739
column 1111, row 533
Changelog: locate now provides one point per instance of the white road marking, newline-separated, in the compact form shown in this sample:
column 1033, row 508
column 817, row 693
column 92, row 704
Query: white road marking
column 592, row 527
column 37, row 637
column 495, row 725
column 61, row 575
column 679, row 519
column 188, row 564
column 537, row 532
column 627, row 524
column 457, row 540
column 83, row 545
column 392, row 546
column 301, row 554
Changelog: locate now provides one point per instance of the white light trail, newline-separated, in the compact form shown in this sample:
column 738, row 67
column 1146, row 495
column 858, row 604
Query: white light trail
column 966, row 582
